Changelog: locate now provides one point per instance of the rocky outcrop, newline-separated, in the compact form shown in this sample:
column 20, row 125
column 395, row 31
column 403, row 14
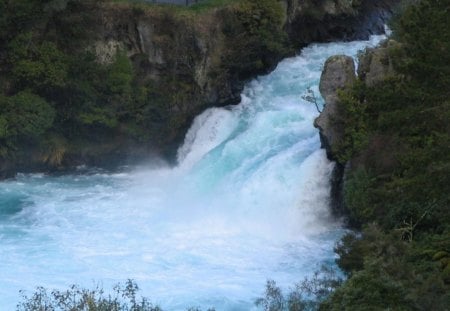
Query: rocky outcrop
column 198, row 57
column 331, row 20
column 375, row 63
column 161, row 43
column 338, row 72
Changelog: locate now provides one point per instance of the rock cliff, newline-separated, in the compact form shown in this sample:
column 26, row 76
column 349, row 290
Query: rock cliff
column 183, row 61
column 324, row 20
column 200, row 57
column 338, row 73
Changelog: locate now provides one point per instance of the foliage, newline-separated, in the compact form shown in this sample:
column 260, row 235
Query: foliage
column 203, row 5
column 387, row 272
column 397, row 187
column 125, row 298
column 120, row 75
column 3, row 127
column 40, row 68
column 53, row 150
column 358, row 198
column 25, row 115
column 352, row 119
column 305, row 295
column 254, row 30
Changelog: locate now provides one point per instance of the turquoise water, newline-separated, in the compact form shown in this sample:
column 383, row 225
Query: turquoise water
column 247, row 202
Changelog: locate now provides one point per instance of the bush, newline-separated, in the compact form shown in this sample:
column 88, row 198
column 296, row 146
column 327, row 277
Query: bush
column 353, row 120
column 25, row 115
column 255, row 35
column 357, row 197
column 306, row 295
column 42, row 68
column 125, row 298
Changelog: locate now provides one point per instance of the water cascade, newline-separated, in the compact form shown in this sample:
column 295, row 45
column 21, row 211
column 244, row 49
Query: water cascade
column 247, row 202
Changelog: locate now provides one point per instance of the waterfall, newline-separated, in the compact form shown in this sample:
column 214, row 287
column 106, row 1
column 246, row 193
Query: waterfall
column 247, row 202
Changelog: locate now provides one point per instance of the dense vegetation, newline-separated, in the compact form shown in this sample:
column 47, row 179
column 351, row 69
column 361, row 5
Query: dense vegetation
column 60, row 105
column 52, row 89
column 398, row 187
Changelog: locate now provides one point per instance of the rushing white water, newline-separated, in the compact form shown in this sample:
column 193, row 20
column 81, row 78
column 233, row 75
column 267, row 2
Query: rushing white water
column 248, row 202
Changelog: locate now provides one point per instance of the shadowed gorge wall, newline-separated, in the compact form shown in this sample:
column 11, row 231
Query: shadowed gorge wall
column 124, row 80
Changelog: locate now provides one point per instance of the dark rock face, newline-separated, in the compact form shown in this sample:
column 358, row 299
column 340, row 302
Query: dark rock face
column 325, row 20
column 6, row 169
column 339, row 72
column 166, row 48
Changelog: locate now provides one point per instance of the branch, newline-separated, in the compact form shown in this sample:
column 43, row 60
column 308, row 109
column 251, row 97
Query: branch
column 309, row 96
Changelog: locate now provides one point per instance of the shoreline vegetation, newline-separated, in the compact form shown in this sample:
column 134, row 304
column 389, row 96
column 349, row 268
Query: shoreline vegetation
column 396, row 153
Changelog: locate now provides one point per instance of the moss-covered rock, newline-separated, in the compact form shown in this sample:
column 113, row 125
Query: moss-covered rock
column 338, row 73
column 375, row 64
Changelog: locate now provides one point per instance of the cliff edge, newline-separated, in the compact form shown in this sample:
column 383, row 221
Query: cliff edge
column 124, row 80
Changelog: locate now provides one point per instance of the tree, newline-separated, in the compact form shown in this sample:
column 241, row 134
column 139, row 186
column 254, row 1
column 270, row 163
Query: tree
column 26, row 115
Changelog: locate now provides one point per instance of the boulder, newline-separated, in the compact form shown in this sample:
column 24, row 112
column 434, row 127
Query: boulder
column 339, row 72
column 375, row 64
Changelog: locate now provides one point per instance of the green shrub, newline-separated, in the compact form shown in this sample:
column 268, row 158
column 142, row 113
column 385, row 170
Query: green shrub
column 306, row 295
column 358, row 196
column 119, row 75
column 41, row 68
column 255, row 35
column 26, row 115
column 352, row 117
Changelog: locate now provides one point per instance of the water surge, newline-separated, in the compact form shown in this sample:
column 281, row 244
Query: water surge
column 247, row 202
